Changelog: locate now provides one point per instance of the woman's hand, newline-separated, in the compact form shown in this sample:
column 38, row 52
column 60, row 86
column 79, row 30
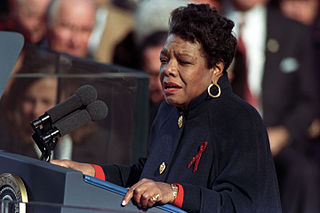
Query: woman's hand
column 85, row 168
column 148, row 192
column 278, row 138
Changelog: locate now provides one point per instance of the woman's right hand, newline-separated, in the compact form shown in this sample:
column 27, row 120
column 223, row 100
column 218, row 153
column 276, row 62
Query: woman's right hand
column 85, row 168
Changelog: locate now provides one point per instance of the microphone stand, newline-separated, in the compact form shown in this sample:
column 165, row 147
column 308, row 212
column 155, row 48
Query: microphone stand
column 46, row 137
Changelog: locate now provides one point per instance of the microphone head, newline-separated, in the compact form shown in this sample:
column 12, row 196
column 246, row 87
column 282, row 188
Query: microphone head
column 87, row 94
column 82, row 97
column 97, row 110
column 72, row 121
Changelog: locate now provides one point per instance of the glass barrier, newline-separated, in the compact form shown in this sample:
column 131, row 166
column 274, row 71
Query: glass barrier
column 43, row 78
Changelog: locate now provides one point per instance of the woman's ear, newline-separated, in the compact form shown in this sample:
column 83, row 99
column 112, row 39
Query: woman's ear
column 217, row 71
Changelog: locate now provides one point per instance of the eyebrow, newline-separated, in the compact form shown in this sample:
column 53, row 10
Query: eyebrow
column 184, row 55
column 166, row 52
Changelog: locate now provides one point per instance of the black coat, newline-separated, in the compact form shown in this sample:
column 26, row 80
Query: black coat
column 235, row 172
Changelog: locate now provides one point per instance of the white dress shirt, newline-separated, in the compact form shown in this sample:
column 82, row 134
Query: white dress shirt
column 254, row 38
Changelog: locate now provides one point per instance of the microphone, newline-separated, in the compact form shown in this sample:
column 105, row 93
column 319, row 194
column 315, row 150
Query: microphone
column 97, row 110
column 71, row 122
column 82, row 97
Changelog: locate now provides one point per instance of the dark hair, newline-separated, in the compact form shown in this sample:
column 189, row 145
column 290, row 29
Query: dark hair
column 199, row 22
column 156, row 38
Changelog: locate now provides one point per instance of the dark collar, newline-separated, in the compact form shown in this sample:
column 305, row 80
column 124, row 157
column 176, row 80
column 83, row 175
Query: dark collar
column 198, row 103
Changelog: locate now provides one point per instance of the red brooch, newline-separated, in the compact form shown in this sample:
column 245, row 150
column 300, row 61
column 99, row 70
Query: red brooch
column 197, row 157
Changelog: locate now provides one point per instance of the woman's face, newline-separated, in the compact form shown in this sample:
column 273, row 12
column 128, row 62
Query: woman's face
column 151, row 66
column 183, row 72
column 38, row 98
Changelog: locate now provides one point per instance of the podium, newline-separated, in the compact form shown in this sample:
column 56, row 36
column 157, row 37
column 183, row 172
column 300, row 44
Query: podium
column 48, row 183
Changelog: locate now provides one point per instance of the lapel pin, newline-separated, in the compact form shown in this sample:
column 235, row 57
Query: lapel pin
column 180, row 121
column 273, row 45
column 162, row 167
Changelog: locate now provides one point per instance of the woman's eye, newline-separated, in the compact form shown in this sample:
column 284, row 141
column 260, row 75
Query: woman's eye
column 184, row 62
column 163, row 60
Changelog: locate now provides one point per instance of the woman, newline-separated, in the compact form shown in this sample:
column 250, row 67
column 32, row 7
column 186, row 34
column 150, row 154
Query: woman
column 209, row 150
column 35, row 89
column 27, row 99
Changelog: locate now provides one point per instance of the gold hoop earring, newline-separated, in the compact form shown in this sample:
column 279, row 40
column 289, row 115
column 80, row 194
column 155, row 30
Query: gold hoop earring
column 219, row 90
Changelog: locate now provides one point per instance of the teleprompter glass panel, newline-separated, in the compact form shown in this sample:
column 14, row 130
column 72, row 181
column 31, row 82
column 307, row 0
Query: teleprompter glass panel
column 43, row 78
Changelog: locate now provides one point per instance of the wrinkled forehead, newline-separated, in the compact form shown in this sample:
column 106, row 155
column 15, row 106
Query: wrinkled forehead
column 33, row 7
column 177, row 41
column 176, row 44
column 80, row 12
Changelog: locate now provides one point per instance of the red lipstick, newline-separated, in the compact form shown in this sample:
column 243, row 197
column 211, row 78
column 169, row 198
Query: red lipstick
column 170, row 87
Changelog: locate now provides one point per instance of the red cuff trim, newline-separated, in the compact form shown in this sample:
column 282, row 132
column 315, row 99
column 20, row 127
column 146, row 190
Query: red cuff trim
column 99, row 173
column 179, row 199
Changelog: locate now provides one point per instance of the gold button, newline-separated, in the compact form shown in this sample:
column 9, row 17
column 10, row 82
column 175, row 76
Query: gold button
column 273, row 45
column 162, row 167
column 180, row 121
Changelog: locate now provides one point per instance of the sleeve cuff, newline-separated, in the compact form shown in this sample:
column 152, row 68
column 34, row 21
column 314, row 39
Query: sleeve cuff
column 179, row 199
column 99, row 173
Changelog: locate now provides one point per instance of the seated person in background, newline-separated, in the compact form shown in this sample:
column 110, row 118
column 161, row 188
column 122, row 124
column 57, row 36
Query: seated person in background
column 27, row 17
column 151, row 16
column 150, row 52
column 30, row 96
column 26, row 100
column 70, row 24
column 209, row 150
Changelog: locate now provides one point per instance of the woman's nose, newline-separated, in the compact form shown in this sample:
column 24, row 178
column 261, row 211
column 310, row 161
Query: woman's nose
column 38, row 110
column 171, row 68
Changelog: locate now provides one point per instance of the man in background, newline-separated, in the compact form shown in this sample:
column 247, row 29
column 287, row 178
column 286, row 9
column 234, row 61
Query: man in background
column 27, row 17
column 274, row 71
column 150, row 63
column 70, row 24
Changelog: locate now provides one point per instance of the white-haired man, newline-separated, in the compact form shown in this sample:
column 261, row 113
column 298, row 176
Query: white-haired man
column 70, row 24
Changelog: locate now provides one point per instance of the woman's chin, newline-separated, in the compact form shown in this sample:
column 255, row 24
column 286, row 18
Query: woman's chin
column 174, row 101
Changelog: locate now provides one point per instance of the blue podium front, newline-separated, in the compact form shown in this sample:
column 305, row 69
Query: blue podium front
column 45, row 182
